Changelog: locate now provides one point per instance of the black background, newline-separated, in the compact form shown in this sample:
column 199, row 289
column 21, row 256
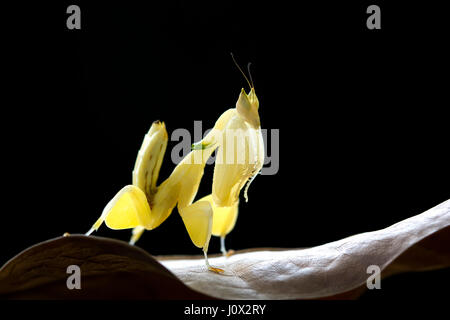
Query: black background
column 361, row 113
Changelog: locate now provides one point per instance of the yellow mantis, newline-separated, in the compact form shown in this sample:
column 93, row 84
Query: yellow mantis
column 144, row 205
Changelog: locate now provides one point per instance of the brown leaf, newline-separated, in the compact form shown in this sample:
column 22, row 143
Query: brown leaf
column 113, row 269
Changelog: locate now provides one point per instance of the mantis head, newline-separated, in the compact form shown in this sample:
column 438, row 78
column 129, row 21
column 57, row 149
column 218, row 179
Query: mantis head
column 247, row 107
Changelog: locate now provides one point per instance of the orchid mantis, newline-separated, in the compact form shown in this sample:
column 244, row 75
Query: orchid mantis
column 144, row 205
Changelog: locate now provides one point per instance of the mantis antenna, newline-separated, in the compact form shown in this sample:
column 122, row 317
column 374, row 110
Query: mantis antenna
column 250, row 74
column 245, row 77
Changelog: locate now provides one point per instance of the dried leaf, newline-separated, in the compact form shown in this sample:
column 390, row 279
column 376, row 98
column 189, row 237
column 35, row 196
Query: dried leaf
column 110, row 269
column 415, row 244
column 113, row 269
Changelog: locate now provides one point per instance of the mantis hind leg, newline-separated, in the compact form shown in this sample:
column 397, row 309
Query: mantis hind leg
column 136, row 234
column 223, row 249
column 222, row 246
column 211, row 268
column 198, row 218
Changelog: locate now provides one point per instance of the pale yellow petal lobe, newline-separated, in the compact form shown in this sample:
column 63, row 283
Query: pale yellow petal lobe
column 198, row 221
column 128, row 209
column 224, row 218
